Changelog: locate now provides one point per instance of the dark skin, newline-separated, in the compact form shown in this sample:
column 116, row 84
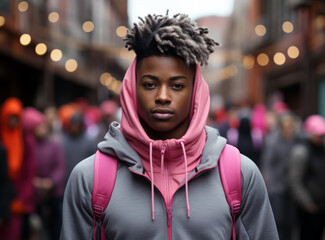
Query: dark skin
column 164, row 94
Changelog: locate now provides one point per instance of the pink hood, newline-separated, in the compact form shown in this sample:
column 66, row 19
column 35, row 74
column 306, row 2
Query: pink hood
column 168, row 166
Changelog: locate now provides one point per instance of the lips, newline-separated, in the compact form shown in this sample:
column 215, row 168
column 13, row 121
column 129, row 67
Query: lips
column 162, row 113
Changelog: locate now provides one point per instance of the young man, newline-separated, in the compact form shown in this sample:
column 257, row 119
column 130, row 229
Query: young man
column 167, row 184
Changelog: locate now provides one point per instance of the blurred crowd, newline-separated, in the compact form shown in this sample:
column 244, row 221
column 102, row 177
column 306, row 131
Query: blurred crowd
column 39, row 149
column 290, row 153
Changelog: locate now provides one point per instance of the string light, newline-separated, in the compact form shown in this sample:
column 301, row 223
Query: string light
column 40, row 49
column 293, row 52
column 23, row 6
column 71, row 65
column 262, row 59
column 121, row 31
column 54, row 17
column 56, row 55
column 287, row 27
column 248, row 62
column 260, row 30
column 279, row 58
column 111, row 83
column 25, row 39
column 88, row 26
column 2, row 21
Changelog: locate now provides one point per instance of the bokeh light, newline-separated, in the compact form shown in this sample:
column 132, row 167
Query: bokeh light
column 293, row 52
column 54, row 17
column 56, row 55
column 260, row 30
column 287, row 27
column 2, row 21
column 248, row 62
column 88, row 26
column 262, row 59
column 25, row 39
column 279, row 58
column 71, row 65
column 121, row 31
column 40, row 49
column 104, row 78
column 23, row 6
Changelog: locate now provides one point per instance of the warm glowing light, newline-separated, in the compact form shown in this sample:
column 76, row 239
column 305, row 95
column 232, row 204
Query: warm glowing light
column 287, row 27
column 25, row 39
column 56, row 55
column 88, row 26
column 40, row 49
column 320, row 21
column 262, row 59
column 105, row 78
column 54, row 17
column 71, row 65
column 2, row 21
column 260, row 30
column 293, row 52
column 121, row 31
column 248, row 62
column 23, row 6
column 279, row 58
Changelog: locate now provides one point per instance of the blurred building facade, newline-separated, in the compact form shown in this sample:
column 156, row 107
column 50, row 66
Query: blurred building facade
column 282, row 46
column 52, row 51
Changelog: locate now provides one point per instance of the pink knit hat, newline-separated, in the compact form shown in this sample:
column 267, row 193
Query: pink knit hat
column 315, row 124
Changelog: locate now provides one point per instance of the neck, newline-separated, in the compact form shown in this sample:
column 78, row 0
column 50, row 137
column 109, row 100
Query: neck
column 176, row 133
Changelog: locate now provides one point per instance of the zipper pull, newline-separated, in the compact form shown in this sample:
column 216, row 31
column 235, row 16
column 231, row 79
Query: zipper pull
column 163, row 149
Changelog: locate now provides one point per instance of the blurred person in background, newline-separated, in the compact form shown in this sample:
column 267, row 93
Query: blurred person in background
column 249, row 141
column 307, row 179
column 30, row 119
column 275, row 169
column 49, row 179
column 77, row 144
column 108, row 109
column 6, row 189
column 93, row 117
column 19, row 145
column 54, row 124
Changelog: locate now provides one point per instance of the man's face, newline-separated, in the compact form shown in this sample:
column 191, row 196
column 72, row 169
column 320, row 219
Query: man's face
column 164, row 93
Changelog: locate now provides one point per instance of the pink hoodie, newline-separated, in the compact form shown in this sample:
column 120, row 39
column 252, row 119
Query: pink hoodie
column 166, row 161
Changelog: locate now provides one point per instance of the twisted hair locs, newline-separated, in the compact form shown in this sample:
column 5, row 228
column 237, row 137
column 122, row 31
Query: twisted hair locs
column 178, row 36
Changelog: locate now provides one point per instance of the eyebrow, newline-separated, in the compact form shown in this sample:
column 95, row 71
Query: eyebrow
column 149, row 76
column 156, row 78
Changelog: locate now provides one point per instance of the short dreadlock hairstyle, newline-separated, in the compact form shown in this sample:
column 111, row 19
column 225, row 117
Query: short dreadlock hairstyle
column 178, row 36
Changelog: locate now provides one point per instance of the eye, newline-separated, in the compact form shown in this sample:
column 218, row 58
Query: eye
column 149, row 85
column 177, row 86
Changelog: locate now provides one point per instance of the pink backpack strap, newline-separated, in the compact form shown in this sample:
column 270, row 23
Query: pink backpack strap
column 105, row 168
column 229, row 168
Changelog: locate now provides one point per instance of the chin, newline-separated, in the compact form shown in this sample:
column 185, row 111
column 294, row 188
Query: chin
column 162, row 127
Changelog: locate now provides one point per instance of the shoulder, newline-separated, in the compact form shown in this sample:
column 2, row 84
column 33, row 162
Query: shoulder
column 82, row 174
column 252, row 180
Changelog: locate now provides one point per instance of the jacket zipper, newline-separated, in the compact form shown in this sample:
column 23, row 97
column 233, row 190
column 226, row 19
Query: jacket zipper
column 168, row 203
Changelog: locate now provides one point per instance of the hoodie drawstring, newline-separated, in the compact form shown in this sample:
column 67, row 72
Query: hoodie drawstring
column 186, row 180
column 162, row 166
column 152, row 183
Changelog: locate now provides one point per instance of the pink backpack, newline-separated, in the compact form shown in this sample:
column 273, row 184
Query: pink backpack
column 105, row 174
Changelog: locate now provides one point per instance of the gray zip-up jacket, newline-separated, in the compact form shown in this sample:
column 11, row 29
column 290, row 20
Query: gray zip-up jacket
column 128, row 215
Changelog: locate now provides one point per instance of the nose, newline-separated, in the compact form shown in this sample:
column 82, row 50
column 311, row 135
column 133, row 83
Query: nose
column 163, row 95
